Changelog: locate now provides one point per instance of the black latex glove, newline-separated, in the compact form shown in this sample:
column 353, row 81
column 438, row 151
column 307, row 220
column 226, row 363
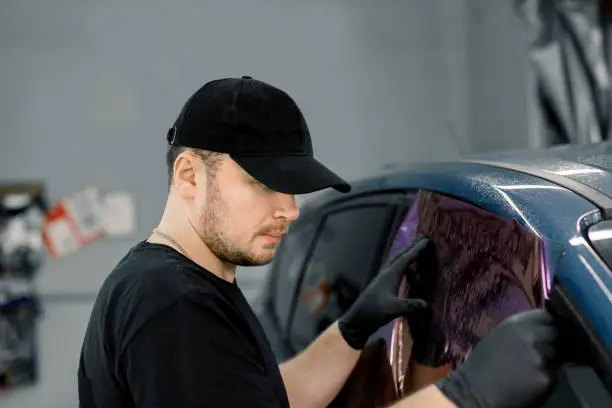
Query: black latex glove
column 510, row 368
column 378, row 304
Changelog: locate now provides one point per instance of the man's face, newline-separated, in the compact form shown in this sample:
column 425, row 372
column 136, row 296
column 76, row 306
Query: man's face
column 240, row 220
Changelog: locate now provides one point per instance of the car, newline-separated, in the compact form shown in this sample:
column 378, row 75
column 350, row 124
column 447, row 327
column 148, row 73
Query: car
column 519, row 229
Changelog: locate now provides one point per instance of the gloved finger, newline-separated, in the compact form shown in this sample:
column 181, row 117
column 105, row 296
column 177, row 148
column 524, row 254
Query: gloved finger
column 546, row 350
column 405, row 307
column 544, row 334
column 417, row 245
column 544, row 380
column 398, row 265
column 534, row 317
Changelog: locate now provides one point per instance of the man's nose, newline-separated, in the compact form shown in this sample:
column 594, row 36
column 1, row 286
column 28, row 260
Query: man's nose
column 288, row 208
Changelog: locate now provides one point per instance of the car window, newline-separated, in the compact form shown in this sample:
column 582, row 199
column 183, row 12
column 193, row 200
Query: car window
column 345, row 256
column 287, row 268
column 483, row 268
column 600, row 237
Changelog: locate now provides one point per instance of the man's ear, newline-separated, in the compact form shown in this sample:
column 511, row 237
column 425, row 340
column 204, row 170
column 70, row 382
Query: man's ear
column 185, row 175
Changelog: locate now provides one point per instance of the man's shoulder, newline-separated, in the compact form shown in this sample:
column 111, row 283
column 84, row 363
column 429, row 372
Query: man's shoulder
column 155, row 269
column 148, row 275
column 146, row 281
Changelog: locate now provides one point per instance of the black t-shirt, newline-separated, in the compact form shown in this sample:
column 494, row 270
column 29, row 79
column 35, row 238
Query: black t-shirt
column 165, row 332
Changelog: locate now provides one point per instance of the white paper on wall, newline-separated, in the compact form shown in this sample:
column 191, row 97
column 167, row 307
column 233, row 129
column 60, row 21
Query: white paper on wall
column 119, row 214
column 62, row 237
column 73, row 222
column 86, row 212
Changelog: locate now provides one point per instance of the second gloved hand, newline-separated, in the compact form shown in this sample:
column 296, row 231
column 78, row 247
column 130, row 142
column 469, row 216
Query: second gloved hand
column 378, row 304
column 510, row 368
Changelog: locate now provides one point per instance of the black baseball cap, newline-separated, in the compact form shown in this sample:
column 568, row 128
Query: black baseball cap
column 261, row 128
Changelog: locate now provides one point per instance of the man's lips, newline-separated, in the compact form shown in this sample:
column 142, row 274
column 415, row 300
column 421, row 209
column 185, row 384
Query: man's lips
column 274, row 236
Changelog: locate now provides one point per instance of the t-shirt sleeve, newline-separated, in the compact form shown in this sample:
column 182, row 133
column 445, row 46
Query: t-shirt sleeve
column 195, row 354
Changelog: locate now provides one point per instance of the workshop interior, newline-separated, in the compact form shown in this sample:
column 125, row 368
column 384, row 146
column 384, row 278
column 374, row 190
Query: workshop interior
column 482, row 125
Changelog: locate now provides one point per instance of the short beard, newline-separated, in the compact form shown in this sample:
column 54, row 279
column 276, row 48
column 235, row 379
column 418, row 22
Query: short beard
column 212, row 219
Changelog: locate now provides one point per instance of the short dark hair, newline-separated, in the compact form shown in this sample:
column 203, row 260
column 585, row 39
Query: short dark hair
column 210, row 159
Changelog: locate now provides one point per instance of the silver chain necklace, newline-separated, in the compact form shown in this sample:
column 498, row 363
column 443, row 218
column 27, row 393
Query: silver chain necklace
column 172, row 241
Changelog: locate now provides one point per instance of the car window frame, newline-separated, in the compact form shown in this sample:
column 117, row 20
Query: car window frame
column 594, row 355
column 398, row 203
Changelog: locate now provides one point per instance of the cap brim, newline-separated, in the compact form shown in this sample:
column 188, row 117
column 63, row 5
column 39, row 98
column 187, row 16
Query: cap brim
column 292, row 174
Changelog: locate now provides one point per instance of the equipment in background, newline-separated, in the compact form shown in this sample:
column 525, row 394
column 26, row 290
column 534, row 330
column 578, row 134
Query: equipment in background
column 567, row 42
column 18, row 363
column 21, row 247
column 22, row 210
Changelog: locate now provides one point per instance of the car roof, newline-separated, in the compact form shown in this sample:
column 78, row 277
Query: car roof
column 503, row 191
column 576, row 166
column 587, row 164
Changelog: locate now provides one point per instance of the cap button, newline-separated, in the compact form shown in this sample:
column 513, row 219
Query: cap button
column 246, row 77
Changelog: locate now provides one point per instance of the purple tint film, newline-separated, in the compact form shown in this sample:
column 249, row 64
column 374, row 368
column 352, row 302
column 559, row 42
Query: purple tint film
column 407, row 230
column 513, row 298
column 546, row 271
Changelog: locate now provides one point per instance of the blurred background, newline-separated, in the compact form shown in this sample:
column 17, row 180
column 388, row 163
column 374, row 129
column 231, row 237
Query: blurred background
column 88, row 90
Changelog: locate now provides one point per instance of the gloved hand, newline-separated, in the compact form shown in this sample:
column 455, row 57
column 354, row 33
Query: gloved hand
column 378, row 304
column 511, row 367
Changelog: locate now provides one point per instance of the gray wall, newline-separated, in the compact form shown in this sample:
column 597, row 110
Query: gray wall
column 88, row 89
column 500, row 100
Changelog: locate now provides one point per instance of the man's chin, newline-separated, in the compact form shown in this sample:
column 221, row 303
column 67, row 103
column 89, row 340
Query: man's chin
column 259, row 259
column 255, row 262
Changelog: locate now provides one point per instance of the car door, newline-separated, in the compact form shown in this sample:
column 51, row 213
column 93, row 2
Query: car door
column 584, row 375
column 346, row 254
column 585, row 369
column 477, row 304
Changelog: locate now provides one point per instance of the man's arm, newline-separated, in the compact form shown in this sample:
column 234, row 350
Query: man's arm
column 510, row 367
column 309, row 386
column 428, row 397
column 192, row 355
column 314, row 377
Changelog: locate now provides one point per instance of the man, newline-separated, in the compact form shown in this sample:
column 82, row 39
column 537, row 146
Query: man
column 171, row 328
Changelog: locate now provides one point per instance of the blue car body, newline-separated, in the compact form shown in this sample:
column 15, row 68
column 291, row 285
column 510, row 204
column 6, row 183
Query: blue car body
column 560, row 194
column 553, row 212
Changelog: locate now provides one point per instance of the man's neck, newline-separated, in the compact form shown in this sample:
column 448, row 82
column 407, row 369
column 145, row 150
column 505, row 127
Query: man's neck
column 187, row 242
